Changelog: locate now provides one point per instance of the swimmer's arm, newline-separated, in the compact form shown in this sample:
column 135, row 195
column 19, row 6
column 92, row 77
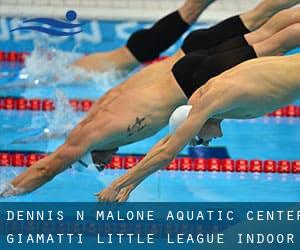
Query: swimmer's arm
column 160, row 156
column 46, row 169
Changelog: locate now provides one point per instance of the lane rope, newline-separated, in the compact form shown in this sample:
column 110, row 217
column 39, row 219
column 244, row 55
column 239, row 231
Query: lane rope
column 13, row 56
column 84, row 105
column 11, row 103
column 21, row 159
column 19, row 57
column 26, row 159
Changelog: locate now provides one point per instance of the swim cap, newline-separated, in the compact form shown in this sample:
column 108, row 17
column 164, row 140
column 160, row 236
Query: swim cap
column 178, row 117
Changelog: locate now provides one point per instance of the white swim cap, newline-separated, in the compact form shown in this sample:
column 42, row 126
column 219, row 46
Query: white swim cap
column 178, row 117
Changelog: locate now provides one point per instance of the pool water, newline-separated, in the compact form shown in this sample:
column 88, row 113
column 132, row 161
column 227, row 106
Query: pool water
column 72, row 186
column 263, row 138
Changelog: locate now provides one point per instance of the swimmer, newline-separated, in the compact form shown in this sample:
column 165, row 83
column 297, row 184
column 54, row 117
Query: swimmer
column 142, row 46
column 276, row 83
column 147, row 44
column 137, row 109
column 278, row 22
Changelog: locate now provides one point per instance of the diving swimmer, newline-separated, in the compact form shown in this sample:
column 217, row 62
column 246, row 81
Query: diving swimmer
column 136, row 109
column 276, row 83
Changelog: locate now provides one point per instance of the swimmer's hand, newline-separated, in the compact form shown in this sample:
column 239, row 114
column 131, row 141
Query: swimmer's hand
column 111, row 194
column 8, row 190
column 124, row 194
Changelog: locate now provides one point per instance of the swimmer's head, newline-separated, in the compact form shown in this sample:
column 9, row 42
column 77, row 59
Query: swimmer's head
column 210, row 130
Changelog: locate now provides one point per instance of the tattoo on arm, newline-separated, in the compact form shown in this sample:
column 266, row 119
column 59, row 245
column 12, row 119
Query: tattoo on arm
column 137, row 126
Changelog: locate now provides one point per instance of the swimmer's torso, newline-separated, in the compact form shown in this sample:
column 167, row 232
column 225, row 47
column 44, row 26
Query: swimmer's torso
column 143, row 103
column 260, row 86
column 154, row 90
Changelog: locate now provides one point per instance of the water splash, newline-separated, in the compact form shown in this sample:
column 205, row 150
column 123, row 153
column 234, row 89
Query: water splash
column 58, row 122
column 8, row 190
column 63, row 119
column 48, row 66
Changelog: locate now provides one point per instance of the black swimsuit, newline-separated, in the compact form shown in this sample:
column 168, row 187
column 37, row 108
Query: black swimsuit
column 210, row 52
column 195, row 69
column 204, row 39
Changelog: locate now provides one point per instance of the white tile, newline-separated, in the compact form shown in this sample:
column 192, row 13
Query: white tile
column 151, row 4
column 11, row 2
column 23, row 2
column 143, row 9
column 72, row 2
column 41, row 2
column 103, row 3
column 135, row 3
column 56, row 2
column 167, row 4
column 119, row 4
column 90, row 3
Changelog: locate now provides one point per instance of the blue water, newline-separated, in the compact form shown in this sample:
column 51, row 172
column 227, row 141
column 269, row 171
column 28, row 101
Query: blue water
column 263, row 138
column 169, row 186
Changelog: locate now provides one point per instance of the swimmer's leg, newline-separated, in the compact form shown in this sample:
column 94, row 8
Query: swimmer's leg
column 279, row 43
column 280, row 21
column 256, row 17
column 147, row 44
column 229, row 34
